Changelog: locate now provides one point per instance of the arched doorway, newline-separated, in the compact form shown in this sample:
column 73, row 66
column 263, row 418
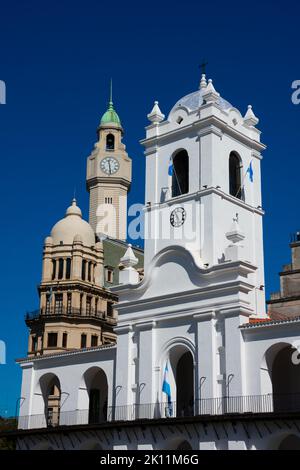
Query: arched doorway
column 91, row 445
column 286, row 380
column 97, row 388
column 280, row 379
column 182, row 365
column 51, row 391
column 184, row 445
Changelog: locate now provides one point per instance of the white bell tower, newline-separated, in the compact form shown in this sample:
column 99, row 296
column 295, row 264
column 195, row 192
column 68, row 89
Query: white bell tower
column 203, row 173
column 204, row 267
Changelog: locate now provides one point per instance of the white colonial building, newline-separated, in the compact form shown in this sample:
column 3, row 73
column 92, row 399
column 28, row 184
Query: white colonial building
column 199, row 309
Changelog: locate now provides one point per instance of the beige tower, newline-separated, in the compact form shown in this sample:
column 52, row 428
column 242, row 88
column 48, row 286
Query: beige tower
column 109, row 178
column 76, row 311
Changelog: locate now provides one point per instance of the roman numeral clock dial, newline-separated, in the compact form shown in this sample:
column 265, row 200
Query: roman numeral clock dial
column 109, row 165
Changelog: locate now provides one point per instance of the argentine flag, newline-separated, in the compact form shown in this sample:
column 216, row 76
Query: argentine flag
column 170, row 168
column 166, row 386
column 250, row 172
column 170, row 175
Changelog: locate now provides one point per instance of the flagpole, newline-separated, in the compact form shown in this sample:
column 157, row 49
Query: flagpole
column 174, row 170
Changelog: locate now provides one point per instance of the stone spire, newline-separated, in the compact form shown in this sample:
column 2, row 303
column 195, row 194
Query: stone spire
column 129, row 275
column 203, row 82
column 250, row 119
column 155, row 116
column 210, row 95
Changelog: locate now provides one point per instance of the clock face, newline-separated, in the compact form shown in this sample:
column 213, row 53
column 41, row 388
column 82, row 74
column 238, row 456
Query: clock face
column 177, row 217
column 109, row 165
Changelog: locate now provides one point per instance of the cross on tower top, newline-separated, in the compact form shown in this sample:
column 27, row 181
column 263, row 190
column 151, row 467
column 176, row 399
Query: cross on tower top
column 202, row 66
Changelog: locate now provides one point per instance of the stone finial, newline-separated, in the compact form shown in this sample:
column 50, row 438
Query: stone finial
column 156, row 116
column 129, row 259
column 129, row 275
column 48, row 241
column 250, row 119
column 210, row 95
column 235, row 235
column 203, row 82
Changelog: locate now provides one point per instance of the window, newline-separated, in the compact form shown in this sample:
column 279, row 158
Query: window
column 90, row 271
column 109, row 309
column 52, row 340
column 80, row 306
column 53, row 269
column 83, row 270
column 58, row 304
column 180, row 174
column 94, row 341
column 64, row 340
column 108, row 200
column 68, row 268
column 83, row 341
column 109, row 275
column 235, row 186
column 88, row 305
column 48, row 303
column 110, row 142
column 60, row 268
column 34, row 343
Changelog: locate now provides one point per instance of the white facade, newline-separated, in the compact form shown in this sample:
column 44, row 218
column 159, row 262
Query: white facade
column 201, row 306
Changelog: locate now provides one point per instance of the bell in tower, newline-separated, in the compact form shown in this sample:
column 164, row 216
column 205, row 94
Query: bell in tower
column 109, row 178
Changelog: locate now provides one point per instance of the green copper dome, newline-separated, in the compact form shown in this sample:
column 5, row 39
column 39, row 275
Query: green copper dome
column 110, row 116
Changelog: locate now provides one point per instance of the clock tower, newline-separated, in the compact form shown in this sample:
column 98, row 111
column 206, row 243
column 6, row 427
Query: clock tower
column 109, row 178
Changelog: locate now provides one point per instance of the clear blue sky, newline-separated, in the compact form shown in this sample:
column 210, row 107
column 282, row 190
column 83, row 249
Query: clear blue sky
column 57, row 59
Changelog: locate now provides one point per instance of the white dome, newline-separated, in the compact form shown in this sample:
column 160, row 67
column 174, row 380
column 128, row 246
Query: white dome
column 194, row 100
column 72, row 225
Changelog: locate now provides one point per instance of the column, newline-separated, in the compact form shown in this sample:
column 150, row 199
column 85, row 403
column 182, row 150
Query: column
column 206, row 370
column 234, row 352
column 123, row 391
column 76, row 260
column 145, row 386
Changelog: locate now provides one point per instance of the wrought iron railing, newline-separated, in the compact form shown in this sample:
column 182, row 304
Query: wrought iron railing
column 255, row 404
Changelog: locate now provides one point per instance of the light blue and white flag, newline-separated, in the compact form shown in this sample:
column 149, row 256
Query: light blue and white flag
column 166, row 388
column 170, row 168
column 250, row 172
column 170, row 177
column 50, row 295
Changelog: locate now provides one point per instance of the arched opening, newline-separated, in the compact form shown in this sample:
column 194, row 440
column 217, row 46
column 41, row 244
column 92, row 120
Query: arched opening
column 290, row 442
column 177, row 443
column 180, row 173
column 184, row 445
column 97, row 388
column 285, row 377
column 91, row 445
column 51, row 391
column 235, row 181
column 42, row 446
column 182, row 368
column 110, row 142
